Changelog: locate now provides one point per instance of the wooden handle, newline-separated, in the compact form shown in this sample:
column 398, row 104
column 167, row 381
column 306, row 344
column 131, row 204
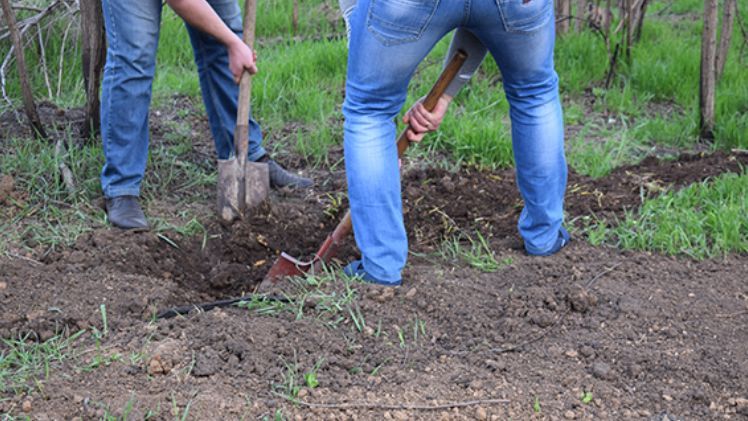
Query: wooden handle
column 448, row 74
column 241, row 134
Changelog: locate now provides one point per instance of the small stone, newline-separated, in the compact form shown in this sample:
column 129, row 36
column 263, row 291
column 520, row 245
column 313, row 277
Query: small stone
column 481, row 414
column 571, row 353
column 570, row 415
column 3, row 285
column 494, row 365
column 411, row 293
column 26, row 406
column 602, row 370
column 401, row 415
column 667, row 397
column 587, row 351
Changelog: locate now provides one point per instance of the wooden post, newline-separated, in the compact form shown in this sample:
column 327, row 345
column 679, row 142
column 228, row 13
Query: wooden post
column 708, row 66
column 728, row 22
column 28, row 96
column 93, row 59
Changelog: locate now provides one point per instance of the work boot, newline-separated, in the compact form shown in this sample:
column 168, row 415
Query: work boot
column 280, row 177
column 125, row 212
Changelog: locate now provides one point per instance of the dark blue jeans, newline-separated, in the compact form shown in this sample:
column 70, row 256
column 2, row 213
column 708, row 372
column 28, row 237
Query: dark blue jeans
column 132, row 28
column 389, row 38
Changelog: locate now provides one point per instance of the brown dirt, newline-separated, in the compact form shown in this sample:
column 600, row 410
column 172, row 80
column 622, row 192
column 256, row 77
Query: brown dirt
column 647, row 335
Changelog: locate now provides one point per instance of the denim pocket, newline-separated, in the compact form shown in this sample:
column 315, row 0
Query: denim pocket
column 395, row 22
column 525, row 15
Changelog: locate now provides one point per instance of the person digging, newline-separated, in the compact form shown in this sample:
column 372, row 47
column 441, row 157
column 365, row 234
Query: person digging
column 132, row 29
column 388, row 40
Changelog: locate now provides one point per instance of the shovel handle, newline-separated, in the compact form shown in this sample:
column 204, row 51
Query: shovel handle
column 448, row 74
column 446, row 77
column 241, row 134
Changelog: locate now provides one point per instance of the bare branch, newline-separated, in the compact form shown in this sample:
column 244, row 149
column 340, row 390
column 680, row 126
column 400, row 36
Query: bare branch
column 28, row 96
column 67, row 175
column 43, row 56
column 62, row 58
column 728, row 22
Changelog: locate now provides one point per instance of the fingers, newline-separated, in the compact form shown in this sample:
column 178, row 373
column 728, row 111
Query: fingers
column 413, row 136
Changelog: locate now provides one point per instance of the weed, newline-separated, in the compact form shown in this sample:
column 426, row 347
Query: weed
column 310, row 377
column 290, row 384
column 536, row 405
column 475, row 251
column 180, row 414
column 24, row 364
column 586, row 398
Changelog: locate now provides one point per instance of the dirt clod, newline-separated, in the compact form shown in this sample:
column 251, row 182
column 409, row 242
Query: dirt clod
column 581, row 300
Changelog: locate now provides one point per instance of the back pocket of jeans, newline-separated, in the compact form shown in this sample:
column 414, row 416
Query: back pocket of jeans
column 395, row 22
column 525, row 15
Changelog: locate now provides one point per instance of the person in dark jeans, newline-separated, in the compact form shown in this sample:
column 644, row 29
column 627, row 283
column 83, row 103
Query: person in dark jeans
column 132, row 30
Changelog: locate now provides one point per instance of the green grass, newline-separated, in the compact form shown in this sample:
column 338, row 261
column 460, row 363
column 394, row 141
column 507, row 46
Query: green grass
column 297, row 96
column 474, row 251
column 704, row 220
column 24, row 364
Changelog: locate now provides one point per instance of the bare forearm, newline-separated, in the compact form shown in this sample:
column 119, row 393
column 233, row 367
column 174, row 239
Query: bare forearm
column 199, row 14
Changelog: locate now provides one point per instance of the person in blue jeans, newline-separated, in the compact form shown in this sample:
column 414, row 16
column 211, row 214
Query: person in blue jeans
column 132, row 30
column 388, row 40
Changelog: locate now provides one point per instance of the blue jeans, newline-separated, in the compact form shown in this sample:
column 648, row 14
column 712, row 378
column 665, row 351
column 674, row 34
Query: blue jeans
column 132, row 29
column 389, row 39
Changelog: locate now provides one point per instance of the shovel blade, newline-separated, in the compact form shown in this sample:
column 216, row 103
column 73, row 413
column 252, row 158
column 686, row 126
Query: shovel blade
column 229, row 178
column 284, row 267
column 257, row 179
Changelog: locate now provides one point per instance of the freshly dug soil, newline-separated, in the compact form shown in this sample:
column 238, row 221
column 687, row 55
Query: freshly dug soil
column 647, row 336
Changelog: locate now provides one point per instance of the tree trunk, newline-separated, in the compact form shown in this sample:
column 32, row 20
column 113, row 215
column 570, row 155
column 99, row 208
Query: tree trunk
column 28, row 97
column 640, row 20
column 708, row 67
column 580, row 15
column 563, row 10
column 93, row 59
column 629, row 24
column 728, row 21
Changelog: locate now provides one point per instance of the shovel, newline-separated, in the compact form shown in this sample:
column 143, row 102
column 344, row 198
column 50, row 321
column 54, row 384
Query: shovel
column 286, row 265
column 242, row 185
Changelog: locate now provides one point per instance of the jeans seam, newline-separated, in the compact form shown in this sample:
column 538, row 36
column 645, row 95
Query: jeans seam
column 466, row 12
column 113, row 71
column 512, row 28
column 416, row 35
